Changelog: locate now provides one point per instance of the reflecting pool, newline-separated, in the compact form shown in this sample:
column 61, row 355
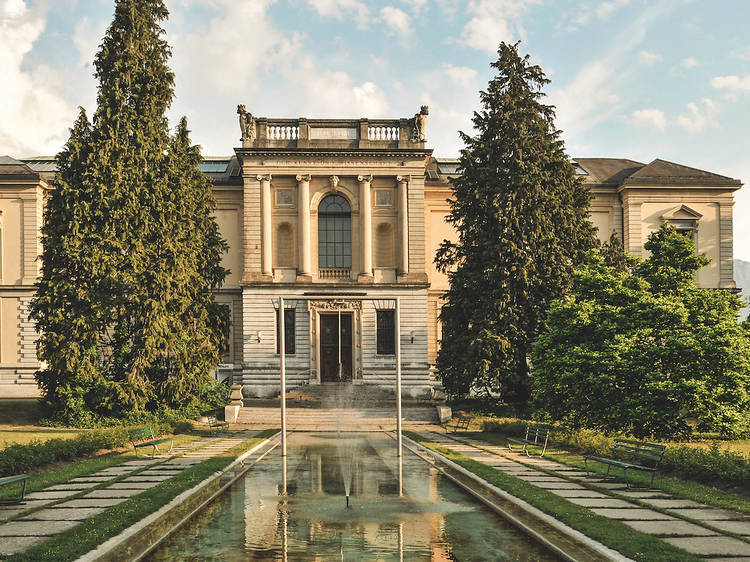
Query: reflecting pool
column 421, row 516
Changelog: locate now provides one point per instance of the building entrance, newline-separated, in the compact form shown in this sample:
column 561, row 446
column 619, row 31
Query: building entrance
column 335, row 332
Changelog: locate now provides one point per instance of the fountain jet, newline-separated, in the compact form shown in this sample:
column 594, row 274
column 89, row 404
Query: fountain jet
column 347, row 500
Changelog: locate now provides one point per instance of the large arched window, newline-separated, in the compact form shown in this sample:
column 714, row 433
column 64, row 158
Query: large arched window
column 334, row 233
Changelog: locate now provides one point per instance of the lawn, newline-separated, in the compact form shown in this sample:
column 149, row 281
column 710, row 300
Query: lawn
column 19, row 423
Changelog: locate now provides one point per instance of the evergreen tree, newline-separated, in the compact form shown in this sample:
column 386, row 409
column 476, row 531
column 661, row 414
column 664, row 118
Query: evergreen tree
column 522, row 220
column 130, row 251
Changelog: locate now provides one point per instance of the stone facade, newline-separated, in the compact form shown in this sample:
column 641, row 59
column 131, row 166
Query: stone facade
column 273, row 209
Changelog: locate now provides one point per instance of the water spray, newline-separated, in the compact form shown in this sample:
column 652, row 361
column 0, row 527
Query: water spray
column 347, row 500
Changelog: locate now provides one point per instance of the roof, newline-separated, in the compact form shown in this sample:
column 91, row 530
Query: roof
column 608, row 171
column 10, row 168
column 664, row 172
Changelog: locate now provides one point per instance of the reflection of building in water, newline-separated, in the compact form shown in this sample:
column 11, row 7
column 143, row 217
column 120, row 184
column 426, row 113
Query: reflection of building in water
column 347, row 207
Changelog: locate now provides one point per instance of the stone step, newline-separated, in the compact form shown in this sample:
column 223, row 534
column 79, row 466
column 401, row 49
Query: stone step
column 309, row 417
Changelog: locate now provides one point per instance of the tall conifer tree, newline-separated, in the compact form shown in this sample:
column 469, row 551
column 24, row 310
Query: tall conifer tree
column 130, row 251
column 522, row 220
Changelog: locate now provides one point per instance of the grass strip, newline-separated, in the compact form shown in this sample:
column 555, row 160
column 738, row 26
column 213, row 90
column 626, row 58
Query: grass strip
column 92, row 532
column 610, row 532
column 75, row 469
column 686, row 489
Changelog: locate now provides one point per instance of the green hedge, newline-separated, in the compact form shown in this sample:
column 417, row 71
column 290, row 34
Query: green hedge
column 701, row 464
column 17, row 459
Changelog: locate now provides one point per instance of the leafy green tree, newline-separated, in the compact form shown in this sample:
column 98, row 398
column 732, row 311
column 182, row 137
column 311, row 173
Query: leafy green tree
column 645, row 352
column 130, row 250
column 521, row 215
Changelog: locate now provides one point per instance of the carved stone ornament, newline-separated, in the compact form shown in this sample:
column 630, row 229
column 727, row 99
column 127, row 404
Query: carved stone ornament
column 303, row 177
column 336, row 305
column 263, row 177
column 334, row 181
column 247, row 124
column 420, row 124
column 404, row 179
column 365, row 178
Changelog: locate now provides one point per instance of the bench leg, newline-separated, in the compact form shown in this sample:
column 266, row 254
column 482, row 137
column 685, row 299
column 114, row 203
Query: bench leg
column 19, row 500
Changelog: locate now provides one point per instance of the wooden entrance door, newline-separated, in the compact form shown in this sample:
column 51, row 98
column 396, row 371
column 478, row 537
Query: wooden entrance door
column 329, row 347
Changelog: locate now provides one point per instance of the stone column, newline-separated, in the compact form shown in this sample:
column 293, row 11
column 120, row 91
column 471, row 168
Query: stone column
column 303, row 227
column 403, row 224
column 265, row 219
column 365, row 228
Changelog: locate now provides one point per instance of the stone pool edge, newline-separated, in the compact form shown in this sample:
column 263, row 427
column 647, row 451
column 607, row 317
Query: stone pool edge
column 136, row 541
column 534, row 514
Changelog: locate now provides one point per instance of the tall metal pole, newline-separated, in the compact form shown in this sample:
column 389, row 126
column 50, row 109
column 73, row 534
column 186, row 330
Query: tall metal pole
column 398, row 372
column 340, row 374
column 282, row 352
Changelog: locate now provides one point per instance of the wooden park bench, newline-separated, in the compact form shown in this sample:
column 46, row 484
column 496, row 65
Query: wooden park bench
column 144, row 437
column 216, row 426
column 11, row 480
column 631, row 455
column 458, row 423
column 535, row 437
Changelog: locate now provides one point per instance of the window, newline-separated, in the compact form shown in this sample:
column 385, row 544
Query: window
column 334, row 233
column 386, row 321
column 288, row 332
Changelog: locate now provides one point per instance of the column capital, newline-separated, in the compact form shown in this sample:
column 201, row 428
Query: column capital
column 303, row 177
column 405, row 179
column 263, row 177
column 365, row 178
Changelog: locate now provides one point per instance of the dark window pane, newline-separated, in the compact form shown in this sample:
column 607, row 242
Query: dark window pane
column 334, row 233
column 386, row 321
column 289, row 340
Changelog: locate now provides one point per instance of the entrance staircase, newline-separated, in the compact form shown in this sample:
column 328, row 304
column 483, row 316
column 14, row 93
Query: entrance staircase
column 338, row 407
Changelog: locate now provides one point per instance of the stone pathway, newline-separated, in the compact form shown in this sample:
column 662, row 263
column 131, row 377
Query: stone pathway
column 695, row 527
column 64, row 506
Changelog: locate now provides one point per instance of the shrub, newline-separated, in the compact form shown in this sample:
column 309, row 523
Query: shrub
column 17, row 459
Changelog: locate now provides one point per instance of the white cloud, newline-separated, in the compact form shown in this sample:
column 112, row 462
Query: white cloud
column 742, row 53
column 339, row 9
column 398, row 20
column 494, row 21
column 698, row 116
column 86, row 38
column 461, row 76
column 343, row 97
column 606, row 9
column 380, row 62
column 654, row 118
column 689, row 62
column 648, row 58
column 34, row 116
column 415, row 5
column 732, row 83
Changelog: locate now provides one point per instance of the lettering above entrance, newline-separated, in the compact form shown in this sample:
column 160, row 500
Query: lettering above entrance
column 336, row 305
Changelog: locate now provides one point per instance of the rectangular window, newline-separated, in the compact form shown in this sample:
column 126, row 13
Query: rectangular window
column 288, row 332
column 386, row 332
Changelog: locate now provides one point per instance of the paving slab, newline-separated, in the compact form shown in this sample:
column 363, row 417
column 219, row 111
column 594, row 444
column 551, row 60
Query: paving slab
column 64, row 514
column 602, row 502
column 643, row 493
column 34, row 528
column 562, row 485
column 93, row 478
column 673, row 528
column 6, row 514
column 706, row 546
column 14, row 545
column 110, row 493
column 49, row 496
column 133, row 485
column 708, row 514
column 145, row 477
column 672, row 503
column 71, row 486
column 114, row 472
column 739, row 527
column 582, row 493
column 634, row 514
column 537, row 478
column 92, row 502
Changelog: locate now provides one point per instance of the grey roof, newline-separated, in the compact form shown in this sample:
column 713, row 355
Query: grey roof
column 663, row 172
column 608, row 171
column 10, row 168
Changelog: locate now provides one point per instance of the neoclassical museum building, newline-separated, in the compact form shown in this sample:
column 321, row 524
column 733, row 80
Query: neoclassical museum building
column 352, row 209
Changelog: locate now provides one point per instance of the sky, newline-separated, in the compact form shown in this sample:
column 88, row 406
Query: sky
column 639, row 79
